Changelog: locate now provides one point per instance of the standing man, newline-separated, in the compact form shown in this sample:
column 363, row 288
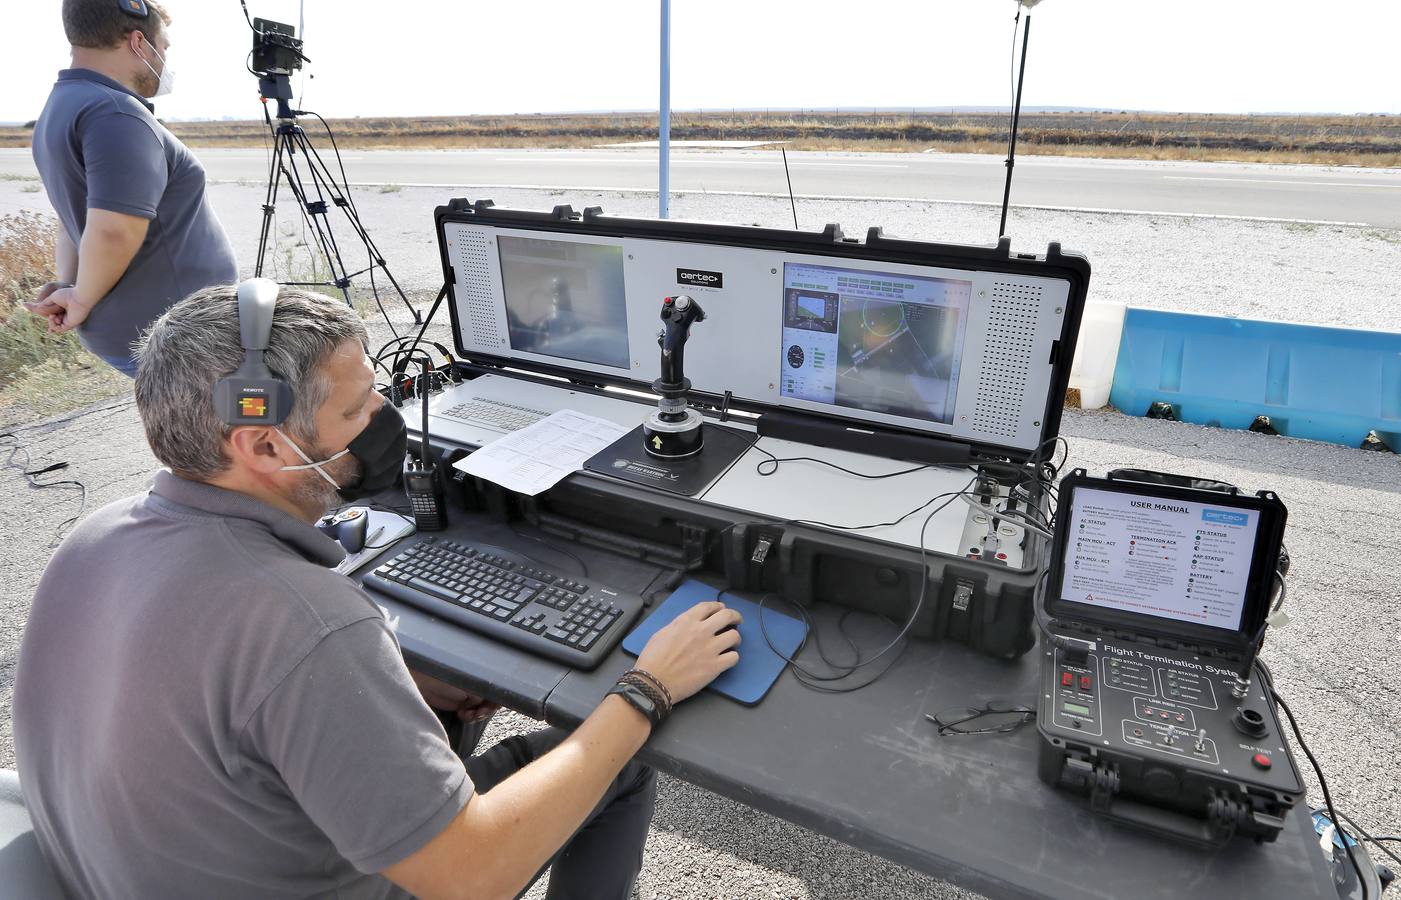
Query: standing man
column 136, row 231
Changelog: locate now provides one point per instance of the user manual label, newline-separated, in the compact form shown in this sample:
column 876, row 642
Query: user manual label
column 1175, row 559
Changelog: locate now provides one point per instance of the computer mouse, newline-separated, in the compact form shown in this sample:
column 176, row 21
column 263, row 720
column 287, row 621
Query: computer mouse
column 349, row 527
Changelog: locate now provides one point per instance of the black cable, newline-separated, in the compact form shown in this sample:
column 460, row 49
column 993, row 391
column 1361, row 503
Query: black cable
column 1322, row 783
column 32, row 475
column 775, row 460
column 247, row 18
column 1376, row 840
column 370, row 254
column 813, row 680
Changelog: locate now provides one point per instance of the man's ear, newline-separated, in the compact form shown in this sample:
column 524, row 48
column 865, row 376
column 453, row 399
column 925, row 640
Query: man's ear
column 258, row 448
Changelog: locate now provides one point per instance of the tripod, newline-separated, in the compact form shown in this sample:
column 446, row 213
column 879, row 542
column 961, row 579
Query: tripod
column 289, row 139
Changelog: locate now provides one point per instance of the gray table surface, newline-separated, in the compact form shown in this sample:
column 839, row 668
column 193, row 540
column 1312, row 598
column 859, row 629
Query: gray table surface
column 866, row 767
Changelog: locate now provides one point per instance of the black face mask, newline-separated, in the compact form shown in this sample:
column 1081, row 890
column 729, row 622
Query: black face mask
column 380, row 448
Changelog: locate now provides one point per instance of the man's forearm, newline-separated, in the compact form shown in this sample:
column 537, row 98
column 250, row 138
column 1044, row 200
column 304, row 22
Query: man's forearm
column 106, row 251
column 65, row 259
column 553, row 795
column 525, row 819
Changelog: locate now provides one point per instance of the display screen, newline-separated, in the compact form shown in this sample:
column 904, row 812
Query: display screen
column 255, row 407
column 1078, row 709
column 565, row 299
column 876, row 341
column 1174, row 559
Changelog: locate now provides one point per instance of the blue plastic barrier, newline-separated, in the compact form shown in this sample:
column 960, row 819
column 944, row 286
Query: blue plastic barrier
column 1324, row 384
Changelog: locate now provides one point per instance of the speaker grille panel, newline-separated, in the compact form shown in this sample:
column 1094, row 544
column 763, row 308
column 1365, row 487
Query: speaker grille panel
column 1011, row 337
column 474, row 275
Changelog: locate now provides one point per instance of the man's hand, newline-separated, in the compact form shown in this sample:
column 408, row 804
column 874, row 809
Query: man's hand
column 689, row 653
column 40, row 306
column 62, row 306
column 44, row 293
column 442, row 696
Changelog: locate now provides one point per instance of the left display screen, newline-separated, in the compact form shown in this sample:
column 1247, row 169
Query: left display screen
column 565, row 299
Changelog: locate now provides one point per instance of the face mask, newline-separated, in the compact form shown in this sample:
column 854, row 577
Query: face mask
column 166, row 75
column 380, row 448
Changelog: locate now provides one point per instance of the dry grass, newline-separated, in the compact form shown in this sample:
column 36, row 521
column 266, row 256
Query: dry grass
column 1333, row 140
column 41, row 374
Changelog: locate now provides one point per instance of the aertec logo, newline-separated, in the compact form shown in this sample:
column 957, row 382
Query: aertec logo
column 700, row 278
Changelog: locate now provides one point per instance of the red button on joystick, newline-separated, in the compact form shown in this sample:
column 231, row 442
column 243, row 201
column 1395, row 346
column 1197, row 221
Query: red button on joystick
column 1261, row 761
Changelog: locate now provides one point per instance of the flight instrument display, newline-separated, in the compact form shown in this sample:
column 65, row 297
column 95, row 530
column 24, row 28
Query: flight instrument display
column 877, row 341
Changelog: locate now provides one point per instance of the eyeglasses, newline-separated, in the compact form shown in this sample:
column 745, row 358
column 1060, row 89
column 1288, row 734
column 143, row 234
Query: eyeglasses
column 994, row 718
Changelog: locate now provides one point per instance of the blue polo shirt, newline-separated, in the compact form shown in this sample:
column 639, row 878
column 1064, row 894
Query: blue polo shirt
column 98, row 145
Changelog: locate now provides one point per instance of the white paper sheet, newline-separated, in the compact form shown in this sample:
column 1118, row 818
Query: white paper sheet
column 538, row 456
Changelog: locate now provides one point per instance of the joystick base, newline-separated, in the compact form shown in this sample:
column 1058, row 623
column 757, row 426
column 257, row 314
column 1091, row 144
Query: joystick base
column 663, row 439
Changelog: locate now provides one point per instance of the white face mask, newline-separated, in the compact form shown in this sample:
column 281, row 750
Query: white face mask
column 166, row 75
column 309, row 464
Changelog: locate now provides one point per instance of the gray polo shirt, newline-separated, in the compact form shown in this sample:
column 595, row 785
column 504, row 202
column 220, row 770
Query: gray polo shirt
column 98, row 146
column 204, row 709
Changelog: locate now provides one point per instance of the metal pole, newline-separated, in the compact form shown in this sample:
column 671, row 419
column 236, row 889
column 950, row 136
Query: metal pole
column 1016, row 119
column 301, row 20
column 664, row 149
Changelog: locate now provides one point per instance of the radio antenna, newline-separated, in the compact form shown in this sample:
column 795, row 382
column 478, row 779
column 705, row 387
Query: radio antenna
column 791, row 202
column 1016, row 113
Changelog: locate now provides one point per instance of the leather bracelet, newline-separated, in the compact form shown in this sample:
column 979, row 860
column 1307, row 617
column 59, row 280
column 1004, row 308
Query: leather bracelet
column 635, row 697
column 655, row 681
column 646, row 687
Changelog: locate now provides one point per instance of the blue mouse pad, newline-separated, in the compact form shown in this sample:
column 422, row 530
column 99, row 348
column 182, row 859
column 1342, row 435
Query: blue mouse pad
column 759, row 666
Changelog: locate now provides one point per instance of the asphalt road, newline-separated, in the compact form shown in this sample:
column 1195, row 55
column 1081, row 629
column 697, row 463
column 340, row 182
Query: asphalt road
column 1306, row 193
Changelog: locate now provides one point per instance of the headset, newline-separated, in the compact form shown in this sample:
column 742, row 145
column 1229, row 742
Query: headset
column 134, row 8
column 253, row 395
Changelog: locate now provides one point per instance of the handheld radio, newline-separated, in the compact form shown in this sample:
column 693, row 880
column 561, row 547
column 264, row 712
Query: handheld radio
column 423, row 483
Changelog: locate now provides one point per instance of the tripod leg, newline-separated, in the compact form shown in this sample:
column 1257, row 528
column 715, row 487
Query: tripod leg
column 353, row 216
column 318, row 212
column 269, row 204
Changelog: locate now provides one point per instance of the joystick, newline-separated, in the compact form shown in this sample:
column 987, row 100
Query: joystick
column 348, row 526
column 674, row 430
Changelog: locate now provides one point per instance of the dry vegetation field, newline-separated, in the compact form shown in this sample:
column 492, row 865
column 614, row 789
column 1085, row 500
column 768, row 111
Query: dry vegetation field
column 1338, row 140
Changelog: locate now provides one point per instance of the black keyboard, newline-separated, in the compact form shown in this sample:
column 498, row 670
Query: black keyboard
column 507, row 597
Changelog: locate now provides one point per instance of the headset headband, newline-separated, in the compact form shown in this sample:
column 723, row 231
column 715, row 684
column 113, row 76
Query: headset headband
column 253, row 395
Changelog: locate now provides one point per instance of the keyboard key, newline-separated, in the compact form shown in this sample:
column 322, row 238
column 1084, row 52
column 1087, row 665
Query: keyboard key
column 429, row 587
column 555, row 634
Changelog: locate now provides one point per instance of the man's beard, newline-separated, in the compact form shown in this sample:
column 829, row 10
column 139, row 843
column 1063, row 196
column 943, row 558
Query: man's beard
column 147, row 85
column 314, row 494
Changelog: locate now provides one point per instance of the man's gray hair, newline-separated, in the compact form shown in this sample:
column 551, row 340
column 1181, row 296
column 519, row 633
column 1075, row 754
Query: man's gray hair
column 187, row 350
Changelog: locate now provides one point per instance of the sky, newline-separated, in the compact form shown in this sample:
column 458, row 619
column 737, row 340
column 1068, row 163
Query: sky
column 458, row 57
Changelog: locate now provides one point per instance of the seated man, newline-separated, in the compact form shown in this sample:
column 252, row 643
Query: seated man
column 204, row 709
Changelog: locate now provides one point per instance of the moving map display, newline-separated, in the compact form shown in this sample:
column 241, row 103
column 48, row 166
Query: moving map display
column 876, row 341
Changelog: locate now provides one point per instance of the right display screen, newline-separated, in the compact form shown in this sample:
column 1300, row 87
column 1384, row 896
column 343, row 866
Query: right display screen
column 881, row 342
column 1174, row 559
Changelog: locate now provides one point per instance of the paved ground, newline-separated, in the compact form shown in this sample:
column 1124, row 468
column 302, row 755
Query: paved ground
column 1350, row 194
column 1337, row 663
column 1325, row 274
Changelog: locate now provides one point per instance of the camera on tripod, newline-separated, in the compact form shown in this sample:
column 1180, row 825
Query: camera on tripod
column 276, row 49
column 277, row 53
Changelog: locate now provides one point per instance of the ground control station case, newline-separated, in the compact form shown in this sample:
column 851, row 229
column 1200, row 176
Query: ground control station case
column 898, row 349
